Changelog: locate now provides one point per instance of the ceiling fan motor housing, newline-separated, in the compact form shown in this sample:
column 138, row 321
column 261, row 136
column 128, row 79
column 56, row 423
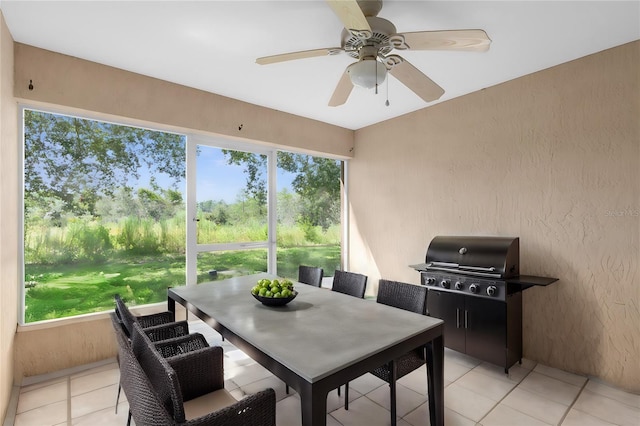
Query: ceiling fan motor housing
column 381, row 28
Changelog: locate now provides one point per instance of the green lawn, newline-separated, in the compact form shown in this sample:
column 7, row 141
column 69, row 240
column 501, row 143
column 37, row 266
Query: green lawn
column 66, row 290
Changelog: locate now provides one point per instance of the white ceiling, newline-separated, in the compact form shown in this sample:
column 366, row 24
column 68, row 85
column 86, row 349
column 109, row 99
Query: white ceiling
column 212, row 45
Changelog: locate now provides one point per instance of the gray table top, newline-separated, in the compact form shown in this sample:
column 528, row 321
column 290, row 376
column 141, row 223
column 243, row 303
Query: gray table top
column 318, row 333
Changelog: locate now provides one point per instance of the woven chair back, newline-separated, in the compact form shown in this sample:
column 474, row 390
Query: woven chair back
column 349, row 283
column 401, row 295
column 311, row 275
column 145, row 407
column 118, row 328
column 162, row 377
column 127, row 318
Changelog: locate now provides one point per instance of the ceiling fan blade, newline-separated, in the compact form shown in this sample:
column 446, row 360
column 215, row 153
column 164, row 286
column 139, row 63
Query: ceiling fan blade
column 415, row 80
column 466, row 40
column 352, row 17
column 343, row 90
column 265, row 60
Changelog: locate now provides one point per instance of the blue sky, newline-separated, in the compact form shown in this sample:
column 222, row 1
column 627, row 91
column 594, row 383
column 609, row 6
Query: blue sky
column 216, row 180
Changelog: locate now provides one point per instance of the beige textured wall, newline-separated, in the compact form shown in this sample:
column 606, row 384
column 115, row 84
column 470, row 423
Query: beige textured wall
column 9, row 210
column 65, row 343
column 552, row 158
column 64, row 80
column 86, row 86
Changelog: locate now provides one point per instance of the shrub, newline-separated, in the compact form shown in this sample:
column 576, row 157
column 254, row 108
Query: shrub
column 139, row 236
column 310, row 232
column 92, row 240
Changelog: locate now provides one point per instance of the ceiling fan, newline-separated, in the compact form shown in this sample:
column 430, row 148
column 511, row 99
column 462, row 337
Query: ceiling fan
column 371, row 39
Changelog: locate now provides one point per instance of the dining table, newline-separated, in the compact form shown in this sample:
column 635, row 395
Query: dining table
column 320, row 340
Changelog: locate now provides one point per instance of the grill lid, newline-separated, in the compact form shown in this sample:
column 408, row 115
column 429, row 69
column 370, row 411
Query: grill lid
column 496, row 257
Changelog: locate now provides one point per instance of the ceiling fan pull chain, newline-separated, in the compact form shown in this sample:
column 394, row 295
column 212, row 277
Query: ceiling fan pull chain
column 387, row 101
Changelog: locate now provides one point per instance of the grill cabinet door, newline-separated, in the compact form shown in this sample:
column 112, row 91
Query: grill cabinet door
column 449, row 307
column 486, row 331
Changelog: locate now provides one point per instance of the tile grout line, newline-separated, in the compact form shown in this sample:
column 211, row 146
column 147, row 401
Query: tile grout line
column 69, row 400
column 504, row 397
column 584, row 385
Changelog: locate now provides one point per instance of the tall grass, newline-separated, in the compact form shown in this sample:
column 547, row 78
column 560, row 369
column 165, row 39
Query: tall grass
column 80, row 240
column 139, row 236
column 209, row 232
column 77, row 267
column 297, row 236
column 84, row 240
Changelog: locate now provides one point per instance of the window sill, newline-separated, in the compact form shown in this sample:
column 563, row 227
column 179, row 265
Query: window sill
column 96, row 316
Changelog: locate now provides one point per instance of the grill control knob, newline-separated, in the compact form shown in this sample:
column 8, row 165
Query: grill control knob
column 445, row 283
column 430, row 280
column 491, row 290
column 459, row 285
column 473, row 288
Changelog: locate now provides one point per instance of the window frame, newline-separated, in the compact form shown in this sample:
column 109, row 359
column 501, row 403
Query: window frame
column 192, row 246
column 193, row 138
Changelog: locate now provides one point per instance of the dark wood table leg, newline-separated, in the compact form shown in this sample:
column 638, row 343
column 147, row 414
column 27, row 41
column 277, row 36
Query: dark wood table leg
column 314, row 406
column 435, row 379
column 393, row 368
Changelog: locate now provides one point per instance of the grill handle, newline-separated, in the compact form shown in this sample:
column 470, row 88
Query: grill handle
column 457, row 317
column 472, row 273
column 478, row 268
column 443, row 264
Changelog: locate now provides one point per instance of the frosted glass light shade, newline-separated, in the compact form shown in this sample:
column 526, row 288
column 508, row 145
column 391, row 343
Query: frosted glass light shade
column 367, row 73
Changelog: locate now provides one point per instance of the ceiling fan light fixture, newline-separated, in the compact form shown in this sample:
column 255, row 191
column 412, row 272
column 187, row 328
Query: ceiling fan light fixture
column 367, row 73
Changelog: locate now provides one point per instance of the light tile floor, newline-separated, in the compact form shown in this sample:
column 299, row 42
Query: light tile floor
column 476, row 394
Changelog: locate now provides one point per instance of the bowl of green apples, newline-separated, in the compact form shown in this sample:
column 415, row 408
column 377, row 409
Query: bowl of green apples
column 276, row 292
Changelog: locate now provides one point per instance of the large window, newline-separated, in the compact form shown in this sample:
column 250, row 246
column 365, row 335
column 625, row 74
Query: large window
column 232, row 193
column 232, row 214
column 103, row 214
column 110, row 208
column 308, row 204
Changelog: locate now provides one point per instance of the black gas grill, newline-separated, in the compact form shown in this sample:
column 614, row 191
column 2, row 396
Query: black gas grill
column 475, row 286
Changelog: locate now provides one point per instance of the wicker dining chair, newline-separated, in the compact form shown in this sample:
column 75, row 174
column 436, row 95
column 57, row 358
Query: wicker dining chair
column 187, row 389
column 149, row 321
column 167, row 348
column 410, row 298
column 159, row 326
column 311, row 275
column 349, row 283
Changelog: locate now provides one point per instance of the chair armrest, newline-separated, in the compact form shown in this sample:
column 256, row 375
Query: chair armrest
column 167, row 331
column 258, row 409
column 181, row 345
column 199, row 372
column 146, row 321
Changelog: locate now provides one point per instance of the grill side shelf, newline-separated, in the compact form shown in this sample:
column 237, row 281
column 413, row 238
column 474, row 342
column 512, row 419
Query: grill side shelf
column 527, row 281
column 420, row 267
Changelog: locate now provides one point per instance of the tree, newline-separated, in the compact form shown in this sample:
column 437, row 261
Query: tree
column 254, row 167
column 78, row 161
column 214, row 211
column 317, row 183
column 288, row 207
